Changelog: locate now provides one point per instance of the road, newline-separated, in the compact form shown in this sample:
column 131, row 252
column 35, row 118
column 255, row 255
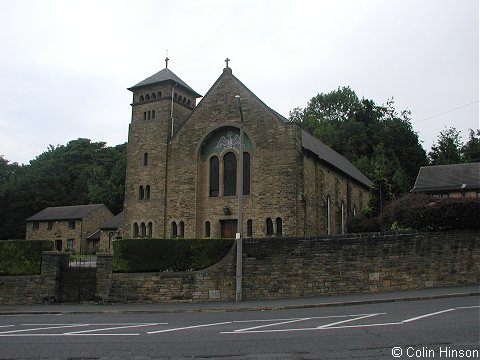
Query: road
column 411, row 329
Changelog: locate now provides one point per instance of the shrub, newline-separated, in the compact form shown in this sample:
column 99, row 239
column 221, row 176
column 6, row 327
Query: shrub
column 422, row 213
column 145, row 255
column 22, row 257
column 425, row 213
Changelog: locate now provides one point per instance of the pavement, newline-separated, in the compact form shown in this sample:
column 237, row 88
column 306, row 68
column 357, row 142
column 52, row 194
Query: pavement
column 249, row 305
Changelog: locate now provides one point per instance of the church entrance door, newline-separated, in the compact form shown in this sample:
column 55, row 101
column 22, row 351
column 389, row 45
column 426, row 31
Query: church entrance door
column 228, row 229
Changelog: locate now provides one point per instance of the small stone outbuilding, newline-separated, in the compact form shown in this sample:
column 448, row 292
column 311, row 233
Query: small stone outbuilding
column 68, row 226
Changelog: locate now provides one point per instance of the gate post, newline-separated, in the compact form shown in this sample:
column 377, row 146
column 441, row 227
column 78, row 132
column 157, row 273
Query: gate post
column 104, row 277
column 53, row 265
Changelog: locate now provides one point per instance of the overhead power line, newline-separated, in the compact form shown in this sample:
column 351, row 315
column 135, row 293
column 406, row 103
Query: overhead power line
column 446, row 112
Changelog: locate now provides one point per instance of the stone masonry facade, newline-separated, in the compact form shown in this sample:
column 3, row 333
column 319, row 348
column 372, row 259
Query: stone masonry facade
column 173, row 143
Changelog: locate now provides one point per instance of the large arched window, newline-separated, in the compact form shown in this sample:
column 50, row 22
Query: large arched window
column 229, row 174
column 143, row 230
column 214, row 175
column 246, row 173
column 174, row 229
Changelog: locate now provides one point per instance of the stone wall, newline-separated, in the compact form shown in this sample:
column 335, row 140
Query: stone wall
column 216, row 283
column 282, row 268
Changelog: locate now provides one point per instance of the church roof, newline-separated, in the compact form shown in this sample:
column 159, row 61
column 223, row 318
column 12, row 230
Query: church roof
column 164, row 75
column 448, row 177
column 327, row 154
column 65, row 212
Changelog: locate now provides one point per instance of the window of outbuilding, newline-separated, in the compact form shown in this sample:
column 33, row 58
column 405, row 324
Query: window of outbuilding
column 50, row 225
column 229, row 174
column 71, row 224
column 35, row 225
column 214, row 176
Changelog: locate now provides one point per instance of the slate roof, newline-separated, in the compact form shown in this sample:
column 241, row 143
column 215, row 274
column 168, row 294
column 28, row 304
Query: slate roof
column 448, row 178
column 114, row 223
column 65, row 212
column 163, row 76
column 327, row 154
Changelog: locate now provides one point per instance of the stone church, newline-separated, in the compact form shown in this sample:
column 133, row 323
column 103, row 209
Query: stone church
column 183, row 161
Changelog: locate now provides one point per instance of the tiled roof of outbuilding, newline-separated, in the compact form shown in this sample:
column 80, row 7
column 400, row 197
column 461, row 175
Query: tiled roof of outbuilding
column 114, row 223
column 64, row 212
column 448, row 177
column 163, row 76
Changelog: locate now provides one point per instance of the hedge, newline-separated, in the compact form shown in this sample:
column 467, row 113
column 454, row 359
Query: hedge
column 422, row 213
column 22, row 257
column 148, row 255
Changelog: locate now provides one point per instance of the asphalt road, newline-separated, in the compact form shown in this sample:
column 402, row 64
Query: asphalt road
column 411, row 329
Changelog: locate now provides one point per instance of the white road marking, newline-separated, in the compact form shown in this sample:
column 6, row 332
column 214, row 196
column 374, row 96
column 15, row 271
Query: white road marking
column 348, row 320
column 111, row 328
column 427, row 315
column 274, row 324
column 467, row 307
column 188, row 327
column 42, row 328
column 6, row 326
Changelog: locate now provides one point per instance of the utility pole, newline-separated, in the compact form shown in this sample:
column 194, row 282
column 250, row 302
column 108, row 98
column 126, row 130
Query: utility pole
column 238, row 237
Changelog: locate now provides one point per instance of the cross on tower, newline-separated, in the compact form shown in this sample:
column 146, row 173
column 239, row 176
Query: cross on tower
column 226, row 61
column 166, row 62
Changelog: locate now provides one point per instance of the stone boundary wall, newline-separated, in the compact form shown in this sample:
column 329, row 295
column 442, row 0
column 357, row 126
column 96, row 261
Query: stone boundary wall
column 215, row 283
column 283, row 268
column 280, row 268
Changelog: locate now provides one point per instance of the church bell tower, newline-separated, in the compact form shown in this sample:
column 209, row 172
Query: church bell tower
column 161, row 103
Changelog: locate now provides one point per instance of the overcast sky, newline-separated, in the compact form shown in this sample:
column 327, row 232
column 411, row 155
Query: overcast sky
column 65, row 65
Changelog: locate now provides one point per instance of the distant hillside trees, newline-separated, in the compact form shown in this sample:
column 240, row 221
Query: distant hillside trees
column 80, row 172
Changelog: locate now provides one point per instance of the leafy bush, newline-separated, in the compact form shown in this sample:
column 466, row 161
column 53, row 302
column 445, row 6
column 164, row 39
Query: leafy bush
column 423, row 213
column 22, row 257
column 144, row 255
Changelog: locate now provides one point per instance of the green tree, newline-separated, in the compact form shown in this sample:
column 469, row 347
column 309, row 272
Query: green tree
column 447, row 150
column 360, row 129
column 471, row 150
column 80, row 172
